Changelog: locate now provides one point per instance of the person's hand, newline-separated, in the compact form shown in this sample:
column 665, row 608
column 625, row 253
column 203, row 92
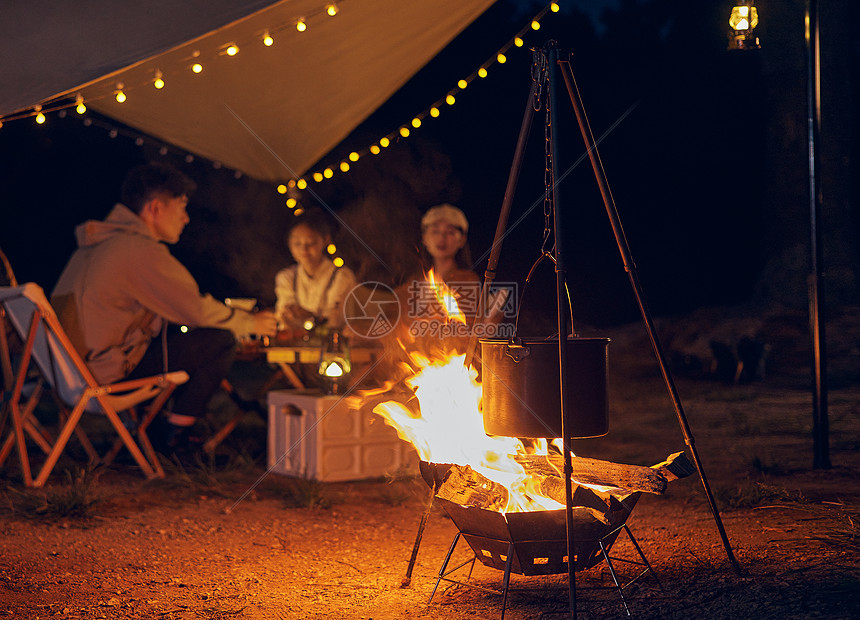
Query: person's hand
column 265, row 323
column 296, row 315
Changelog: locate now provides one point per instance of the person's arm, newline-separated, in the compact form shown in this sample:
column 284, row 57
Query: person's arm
column 164, row 286
column 285, row 291
column 344, row 282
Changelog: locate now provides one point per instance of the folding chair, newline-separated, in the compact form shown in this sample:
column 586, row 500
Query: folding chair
column 46, row 344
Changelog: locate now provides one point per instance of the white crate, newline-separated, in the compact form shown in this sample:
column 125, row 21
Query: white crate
column 323, row 438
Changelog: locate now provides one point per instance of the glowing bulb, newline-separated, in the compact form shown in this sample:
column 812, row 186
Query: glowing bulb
column 40, row 118
column 450, row 100
column 291, row 183
column 158, row 82
column 301, row 184
column 282, row 189
column 184, row 330
column 292, row 202
column 462, row 84
column 404, row 131
column 328, row 173
column 344, row 166
column 434, row 112
column 298, row 212
column 333, row 370
column 267, row 39
column 331, row 10
column 309, row 324
column 338, row 262
column 232, row 49
column 120, row 96
column 80, row 108
column 318, row 176
column 331, row 248
column 353, row 156
column 502, row 59
column 375, row 149
column 416, row 122
column 301, row 26
column 482, row 72
column 197, row 67
column 554, row 7
column 384, row 142
column 535, row 25
column 518, row 42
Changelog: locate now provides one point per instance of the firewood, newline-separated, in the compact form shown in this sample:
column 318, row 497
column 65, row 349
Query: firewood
column 596, row 472
column 676, row 466
column 463, row 485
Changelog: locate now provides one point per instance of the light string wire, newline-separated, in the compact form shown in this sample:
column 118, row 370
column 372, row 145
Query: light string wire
column 63, row 104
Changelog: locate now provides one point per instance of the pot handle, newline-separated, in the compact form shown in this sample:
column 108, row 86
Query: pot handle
column 516, row 350
column 544, row 254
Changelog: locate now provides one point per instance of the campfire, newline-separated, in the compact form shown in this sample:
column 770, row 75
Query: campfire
column 506, row 490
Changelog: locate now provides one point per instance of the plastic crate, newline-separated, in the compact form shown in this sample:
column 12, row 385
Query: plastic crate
column 322, row 438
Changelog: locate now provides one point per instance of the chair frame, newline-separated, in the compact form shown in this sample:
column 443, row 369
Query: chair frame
column 108, row 399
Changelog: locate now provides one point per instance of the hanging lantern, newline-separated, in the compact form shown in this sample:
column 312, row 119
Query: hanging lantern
column 743, row 21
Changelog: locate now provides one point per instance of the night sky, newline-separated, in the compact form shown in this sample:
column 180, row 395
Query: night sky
column 688, row 151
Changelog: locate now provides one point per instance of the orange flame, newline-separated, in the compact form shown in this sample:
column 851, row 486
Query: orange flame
column 449, row 428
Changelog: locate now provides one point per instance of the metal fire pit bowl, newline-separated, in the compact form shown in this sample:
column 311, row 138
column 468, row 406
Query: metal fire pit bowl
column 535, row 541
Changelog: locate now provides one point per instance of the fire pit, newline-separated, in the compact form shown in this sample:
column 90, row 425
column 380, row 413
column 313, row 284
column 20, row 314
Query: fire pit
column 535, row 542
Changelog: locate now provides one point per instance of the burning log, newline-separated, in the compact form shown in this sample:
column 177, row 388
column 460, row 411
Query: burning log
column 604, row 473
column 464, row 486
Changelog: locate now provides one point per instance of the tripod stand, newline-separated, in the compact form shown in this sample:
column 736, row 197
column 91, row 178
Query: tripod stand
column 545, row 84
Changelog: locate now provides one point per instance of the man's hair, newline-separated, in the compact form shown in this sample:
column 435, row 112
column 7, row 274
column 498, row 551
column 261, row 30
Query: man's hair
column 144, row 182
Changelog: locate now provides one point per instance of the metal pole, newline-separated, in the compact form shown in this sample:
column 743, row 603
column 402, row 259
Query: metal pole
column 630, row 268
column 561, row 275
column 820, row 423
column 502, row 224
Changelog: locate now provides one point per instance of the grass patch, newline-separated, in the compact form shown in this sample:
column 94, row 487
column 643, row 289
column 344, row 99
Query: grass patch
column 77, row 498
column 751, row 494
column 205, row 473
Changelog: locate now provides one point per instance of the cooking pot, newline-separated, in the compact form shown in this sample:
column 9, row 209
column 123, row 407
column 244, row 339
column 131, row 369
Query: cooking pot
column 521, row 392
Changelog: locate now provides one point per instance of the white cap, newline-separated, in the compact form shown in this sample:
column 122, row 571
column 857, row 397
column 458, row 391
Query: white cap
column 445, row 213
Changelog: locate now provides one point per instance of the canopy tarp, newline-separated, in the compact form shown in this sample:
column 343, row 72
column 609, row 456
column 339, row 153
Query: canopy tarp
column 269, row 112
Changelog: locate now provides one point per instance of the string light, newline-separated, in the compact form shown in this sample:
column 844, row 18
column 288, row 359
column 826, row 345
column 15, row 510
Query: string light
column 301, row 24
column 331, row 248
column 282, row 189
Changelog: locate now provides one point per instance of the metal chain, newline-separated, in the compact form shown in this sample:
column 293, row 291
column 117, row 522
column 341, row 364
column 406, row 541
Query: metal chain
column 548, row 179
column 539, row 75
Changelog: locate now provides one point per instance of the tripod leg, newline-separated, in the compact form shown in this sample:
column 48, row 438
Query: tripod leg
column 630, row 268
column 408, row 578
column 501, row 226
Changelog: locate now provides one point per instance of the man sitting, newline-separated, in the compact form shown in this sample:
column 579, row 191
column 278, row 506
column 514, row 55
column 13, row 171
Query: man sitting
column 122, row 286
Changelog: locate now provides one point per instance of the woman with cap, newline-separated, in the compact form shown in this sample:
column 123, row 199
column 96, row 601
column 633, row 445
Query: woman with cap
column 443, row 236
column 445, row 250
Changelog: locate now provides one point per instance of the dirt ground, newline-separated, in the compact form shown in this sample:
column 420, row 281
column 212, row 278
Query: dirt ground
column 225, row 540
